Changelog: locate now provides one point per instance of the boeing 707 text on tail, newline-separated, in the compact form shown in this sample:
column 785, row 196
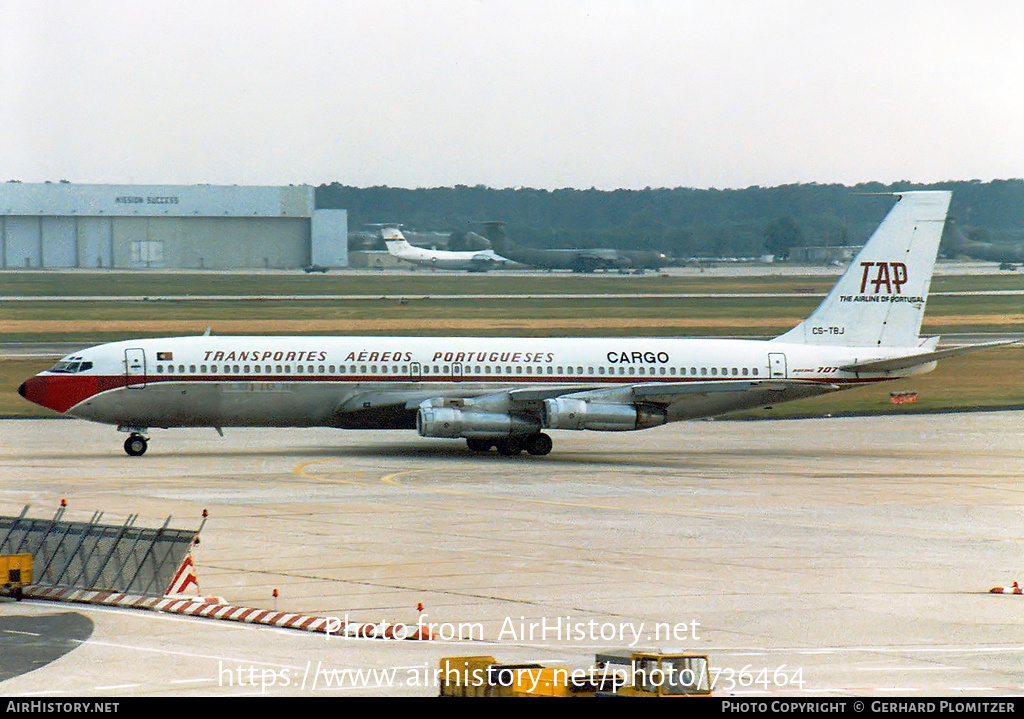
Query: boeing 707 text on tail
column 505, row 393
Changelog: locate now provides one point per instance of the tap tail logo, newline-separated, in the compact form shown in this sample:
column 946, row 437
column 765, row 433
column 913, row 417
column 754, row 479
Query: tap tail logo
column 888, row 275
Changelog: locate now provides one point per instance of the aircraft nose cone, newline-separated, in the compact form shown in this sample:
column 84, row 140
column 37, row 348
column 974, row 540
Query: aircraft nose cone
column 34, row 389
column 58, row 392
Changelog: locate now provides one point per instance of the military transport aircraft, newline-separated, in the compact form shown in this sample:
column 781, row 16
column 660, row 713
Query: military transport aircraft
column 471, row 261
column 505, row 392
column 586, row 259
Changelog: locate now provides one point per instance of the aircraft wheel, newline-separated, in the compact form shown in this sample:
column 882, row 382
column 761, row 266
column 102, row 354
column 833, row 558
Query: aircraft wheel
column 136, row 445
column 479, row 445
column 539, row 444
column 510, row 447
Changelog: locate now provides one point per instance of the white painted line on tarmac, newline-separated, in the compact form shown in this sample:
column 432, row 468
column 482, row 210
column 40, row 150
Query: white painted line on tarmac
column 819, row 690
column 192, row 655
column 908, row 669
column 917, row 649
column 972, row 689
column 204, row 680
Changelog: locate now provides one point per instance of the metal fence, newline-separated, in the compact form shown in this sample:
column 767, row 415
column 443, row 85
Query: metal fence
column 91, row 555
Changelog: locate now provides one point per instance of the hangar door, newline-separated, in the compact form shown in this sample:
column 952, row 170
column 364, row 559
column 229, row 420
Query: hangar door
column 59, row 242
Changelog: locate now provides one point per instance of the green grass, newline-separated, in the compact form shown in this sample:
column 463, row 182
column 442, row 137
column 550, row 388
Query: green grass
column 145, row 283
column 991, row 379
column 87, row 321
column 415, row 309
column 12, row 373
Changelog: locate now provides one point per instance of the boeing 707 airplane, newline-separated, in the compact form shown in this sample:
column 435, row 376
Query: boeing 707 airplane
column 506, row 393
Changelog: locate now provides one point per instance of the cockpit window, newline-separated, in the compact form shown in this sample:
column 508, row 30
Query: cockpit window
column 71, row 366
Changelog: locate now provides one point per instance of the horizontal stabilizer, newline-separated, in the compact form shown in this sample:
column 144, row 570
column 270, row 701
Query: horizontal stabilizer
column 898, row 363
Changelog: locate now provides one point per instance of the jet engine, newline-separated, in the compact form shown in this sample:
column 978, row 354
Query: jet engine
column 453, row 422
column 607, row 416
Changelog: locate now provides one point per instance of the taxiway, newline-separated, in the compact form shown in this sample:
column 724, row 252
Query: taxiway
column 857, row 551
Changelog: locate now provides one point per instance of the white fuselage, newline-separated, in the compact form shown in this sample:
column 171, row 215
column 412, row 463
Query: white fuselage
column 377, row 382
column 475, row 261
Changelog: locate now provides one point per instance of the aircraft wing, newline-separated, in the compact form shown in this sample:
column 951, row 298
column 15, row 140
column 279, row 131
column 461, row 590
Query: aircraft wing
column 676, row 392
column 898, row 363
column 526, row 399
column 483, row 261
column 600, row 254
column 535, row 394
column 665, row 392
column 697, row 394
column 670, row 390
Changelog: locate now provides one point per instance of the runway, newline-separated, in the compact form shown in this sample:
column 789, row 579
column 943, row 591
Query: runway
column 842, row 556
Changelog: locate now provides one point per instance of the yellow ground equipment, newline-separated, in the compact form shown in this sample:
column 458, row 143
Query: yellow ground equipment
column 629, row 674
column 15, row 573
column 656, row 674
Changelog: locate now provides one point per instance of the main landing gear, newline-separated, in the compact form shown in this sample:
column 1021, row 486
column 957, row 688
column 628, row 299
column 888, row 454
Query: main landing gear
column 136, row 445
column 536, row 444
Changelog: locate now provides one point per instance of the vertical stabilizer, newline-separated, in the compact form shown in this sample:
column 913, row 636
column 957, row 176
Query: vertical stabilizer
column 397, row 247
column 394, row 240
column 880, row 299
column 390, row 233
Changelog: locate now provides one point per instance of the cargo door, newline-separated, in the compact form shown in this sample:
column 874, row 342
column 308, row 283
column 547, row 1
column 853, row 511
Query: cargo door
column 777, row 365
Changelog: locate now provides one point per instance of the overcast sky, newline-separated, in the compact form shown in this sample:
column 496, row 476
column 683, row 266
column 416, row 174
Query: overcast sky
column 536, row 93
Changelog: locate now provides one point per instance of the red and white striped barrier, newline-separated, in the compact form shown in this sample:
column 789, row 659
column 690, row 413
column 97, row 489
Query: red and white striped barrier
column 1013, row 589
column 215, row 608
column 184, row 579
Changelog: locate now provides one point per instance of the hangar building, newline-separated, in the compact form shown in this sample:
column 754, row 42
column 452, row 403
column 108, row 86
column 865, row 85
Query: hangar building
column 58, row 225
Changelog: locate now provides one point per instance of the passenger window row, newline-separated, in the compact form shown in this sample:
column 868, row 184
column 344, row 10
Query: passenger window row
column 519, row 370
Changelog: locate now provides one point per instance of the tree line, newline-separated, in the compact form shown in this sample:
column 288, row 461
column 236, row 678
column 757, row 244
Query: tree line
column 682, row 222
